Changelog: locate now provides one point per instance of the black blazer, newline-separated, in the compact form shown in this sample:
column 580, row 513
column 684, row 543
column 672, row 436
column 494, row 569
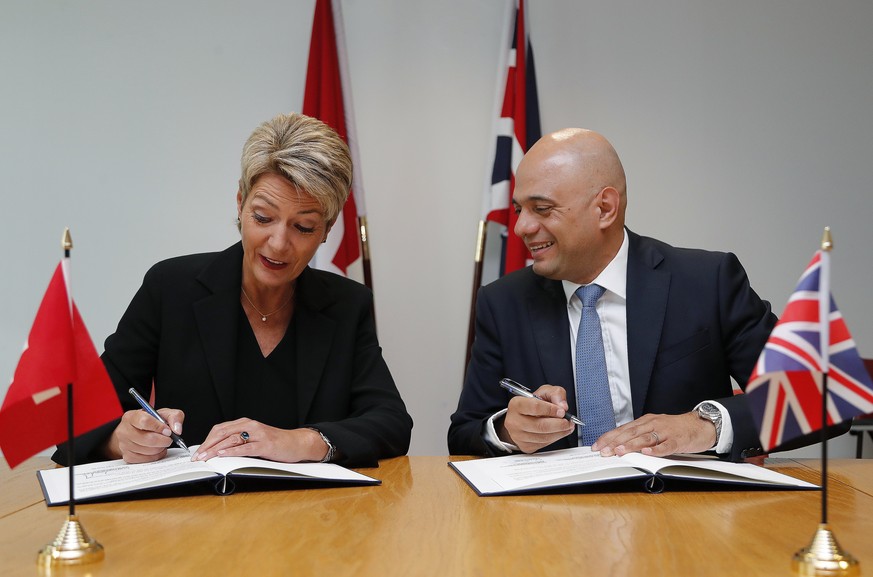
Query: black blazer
column 180, row 331
column 693, row 322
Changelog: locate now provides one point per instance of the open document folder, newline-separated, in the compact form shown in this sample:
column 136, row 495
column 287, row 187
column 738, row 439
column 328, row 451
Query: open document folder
column 580, row 466
column 111, row 478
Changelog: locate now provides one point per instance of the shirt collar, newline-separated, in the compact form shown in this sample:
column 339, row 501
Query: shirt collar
column 613, row 278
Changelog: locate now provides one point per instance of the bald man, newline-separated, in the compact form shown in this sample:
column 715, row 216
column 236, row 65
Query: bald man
column 676, row 324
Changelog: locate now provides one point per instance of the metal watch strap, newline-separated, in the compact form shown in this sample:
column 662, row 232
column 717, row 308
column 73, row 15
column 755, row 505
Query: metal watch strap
column 711, row 413
column 331, row 450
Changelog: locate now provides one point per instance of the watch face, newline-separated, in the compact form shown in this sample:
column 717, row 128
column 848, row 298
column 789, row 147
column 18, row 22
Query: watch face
column 711, row 413
column 709, row 410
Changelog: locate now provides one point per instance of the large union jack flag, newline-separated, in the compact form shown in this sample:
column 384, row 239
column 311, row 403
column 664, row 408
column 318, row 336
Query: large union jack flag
column 517, row 129
column 785, row 389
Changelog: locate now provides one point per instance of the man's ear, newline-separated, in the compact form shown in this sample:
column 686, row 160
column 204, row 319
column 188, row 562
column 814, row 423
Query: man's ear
column 610, row 200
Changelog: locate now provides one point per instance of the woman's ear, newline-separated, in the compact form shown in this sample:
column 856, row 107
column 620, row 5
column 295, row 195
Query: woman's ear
column 239, row 209
column 327, row 230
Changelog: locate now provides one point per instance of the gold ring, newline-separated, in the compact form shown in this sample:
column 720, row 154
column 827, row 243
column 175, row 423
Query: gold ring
column 244, row 437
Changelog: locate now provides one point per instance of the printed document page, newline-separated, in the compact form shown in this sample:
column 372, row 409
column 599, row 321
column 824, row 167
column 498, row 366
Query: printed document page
column 551, row 469
column 580, row 465
column 109, row 477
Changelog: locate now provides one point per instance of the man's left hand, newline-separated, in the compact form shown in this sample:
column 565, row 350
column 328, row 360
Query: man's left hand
column 659, row 436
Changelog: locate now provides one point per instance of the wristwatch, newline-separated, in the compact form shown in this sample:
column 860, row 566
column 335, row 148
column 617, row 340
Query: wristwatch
column 331, row 450
column 711, row 413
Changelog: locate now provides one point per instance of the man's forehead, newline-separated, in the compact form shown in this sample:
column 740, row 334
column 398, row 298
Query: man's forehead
column 527, row 198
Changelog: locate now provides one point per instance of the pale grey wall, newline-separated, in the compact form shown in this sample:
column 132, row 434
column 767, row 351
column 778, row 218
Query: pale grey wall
column 743, row 126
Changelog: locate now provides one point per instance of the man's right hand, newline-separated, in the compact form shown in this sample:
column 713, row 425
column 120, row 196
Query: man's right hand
column 531, row 424
column 141, row 438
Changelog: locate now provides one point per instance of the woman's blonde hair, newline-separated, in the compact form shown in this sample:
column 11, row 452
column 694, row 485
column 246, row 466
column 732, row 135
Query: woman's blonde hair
column 304, row 150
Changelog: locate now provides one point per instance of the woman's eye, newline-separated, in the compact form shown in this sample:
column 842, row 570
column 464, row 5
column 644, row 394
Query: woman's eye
column 260, row 218
column 304, row 230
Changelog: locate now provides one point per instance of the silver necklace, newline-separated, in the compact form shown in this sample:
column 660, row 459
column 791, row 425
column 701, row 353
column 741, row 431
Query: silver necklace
column 264, row 316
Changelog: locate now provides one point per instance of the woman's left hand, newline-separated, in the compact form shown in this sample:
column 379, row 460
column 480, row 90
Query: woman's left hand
column 248, row 438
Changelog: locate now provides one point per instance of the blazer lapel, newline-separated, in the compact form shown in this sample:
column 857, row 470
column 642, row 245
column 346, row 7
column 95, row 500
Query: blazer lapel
column 551, row 332
column 217, row 317
column 315, row 333
column 647, row 292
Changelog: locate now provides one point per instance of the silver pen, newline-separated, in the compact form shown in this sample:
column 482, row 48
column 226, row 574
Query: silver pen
column 148, row 409
column 520, row 390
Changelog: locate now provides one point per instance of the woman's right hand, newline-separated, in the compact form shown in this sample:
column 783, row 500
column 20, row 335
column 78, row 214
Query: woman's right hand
column 141, row 438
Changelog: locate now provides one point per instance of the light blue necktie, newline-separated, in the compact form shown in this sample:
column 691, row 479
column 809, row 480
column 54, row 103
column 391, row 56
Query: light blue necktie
column 592, row 385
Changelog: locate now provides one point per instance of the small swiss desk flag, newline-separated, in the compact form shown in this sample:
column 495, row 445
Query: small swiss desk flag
column 58, row 352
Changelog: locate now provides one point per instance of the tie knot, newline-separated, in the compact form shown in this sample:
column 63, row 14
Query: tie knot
column 590, row 294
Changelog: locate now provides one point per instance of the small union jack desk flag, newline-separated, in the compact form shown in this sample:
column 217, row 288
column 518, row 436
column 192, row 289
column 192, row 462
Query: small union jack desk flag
column 785, row 389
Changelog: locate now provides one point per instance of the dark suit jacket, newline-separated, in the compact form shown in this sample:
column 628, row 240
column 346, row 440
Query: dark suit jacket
column 181, row 328
column 693, row 322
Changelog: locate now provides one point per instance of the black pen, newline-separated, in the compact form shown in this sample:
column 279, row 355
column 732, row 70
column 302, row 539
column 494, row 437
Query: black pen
column 148, row 409
column 521, row 391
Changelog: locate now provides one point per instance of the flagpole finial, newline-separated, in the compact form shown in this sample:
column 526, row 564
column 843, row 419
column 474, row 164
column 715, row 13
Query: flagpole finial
column 67, row 240
column 827, row 243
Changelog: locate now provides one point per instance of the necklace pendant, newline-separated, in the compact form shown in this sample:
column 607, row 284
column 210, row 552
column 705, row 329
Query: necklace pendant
column 262, row 315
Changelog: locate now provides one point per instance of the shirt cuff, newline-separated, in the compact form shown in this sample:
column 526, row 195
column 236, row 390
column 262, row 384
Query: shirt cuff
column 490, row 435
column 726, row 439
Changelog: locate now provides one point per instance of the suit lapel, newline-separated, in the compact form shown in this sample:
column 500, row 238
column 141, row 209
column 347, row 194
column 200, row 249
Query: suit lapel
column 551, row 329
column 315, row 332
column 217, row 317
column 647, row 293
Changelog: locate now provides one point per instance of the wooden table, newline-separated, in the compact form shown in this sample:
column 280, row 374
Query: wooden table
column 424, row 520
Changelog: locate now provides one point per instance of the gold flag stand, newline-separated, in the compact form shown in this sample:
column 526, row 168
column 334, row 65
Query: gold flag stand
column 824, row 556
column 72, row 546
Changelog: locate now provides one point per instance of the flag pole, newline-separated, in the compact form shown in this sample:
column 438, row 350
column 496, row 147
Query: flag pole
column 67, row 245
column 365, row 257
column 478, row 263
column 824, row 556
column 72, row 546
column 824, row 319
column 365, row 251
column 502, row 127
